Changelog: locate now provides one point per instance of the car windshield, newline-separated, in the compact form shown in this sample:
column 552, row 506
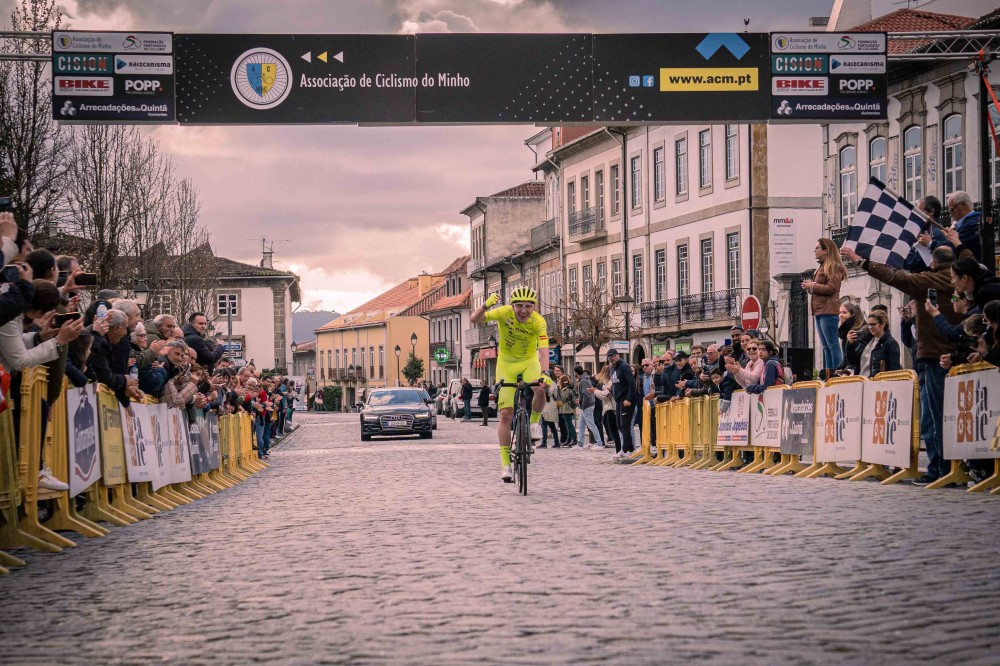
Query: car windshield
column 383, row 398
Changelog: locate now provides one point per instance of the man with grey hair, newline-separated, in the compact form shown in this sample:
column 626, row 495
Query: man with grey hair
column 931, row 343
column 102, row 356
column 161, row 327
column 123, row 349
column 966, row 222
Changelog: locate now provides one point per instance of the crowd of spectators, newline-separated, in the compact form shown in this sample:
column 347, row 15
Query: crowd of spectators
column 47, row 318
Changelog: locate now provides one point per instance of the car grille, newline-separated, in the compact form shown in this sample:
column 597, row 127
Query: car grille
column 396, row 422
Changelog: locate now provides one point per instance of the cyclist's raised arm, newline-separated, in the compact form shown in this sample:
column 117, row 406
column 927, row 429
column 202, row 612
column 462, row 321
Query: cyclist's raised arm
column 479, row 314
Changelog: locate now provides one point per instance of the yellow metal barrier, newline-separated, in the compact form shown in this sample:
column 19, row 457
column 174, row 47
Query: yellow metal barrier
column 957, row 473
column 912, row 471
column 818, row 469
column 644, row 456
column 10, row 495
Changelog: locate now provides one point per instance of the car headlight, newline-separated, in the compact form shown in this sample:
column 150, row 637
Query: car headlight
column 423, row 416
column 371, row 417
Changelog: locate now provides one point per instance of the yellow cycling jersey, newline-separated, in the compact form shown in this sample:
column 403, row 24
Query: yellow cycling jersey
column 518, row 342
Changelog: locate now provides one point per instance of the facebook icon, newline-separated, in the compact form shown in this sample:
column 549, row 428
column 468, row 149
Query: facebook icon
column 648, row 81
column 633, row 81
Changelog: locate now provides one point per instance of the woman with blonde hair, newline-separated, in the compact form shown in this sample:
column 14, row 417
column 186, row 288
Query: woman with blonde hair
column 602, row 390
column 825, row 302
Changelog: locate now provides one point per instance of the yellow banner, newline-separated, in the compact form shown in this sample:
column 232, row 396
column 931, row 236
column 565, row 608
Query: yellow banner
column 708, row 79
column 112, row 439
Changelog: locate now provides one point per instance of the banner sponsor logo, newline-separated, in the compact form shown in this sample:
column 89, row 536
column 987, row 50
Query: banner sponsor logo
column 828, row 42
column 799, row 64
column 790, row 108
column 971, row 415
column 138, row 42
column 709, row 79
column 261, row 78
column 855, row 86
column 82, row 64
column 84, row 450
column 143, row 64
column 102, row 86
column 857, row 64
column 143, row 86
column 887, row 423
column 787, row 85
column 112, row 438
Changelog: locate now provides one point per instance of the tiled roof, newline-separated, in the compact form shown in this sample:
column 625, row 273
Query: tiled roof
column 305, row 346
column 426, row 303
column 531, row 188
column 457, row 266
column 457, row 301
column 235, row 269
column 913, row 20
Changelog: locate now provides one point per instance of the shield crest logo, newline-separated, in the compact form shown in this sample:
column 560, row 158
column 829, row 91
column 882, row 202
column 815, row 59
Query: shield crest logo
column 261, row 76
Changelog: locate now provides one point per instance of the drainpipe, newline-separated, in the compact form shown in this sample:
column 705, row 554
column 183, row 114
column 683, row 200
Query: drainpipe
column 626, row 268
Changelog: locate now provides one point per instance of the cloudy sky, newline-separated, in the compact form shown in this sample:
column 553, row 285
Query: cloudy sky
column 356, row 210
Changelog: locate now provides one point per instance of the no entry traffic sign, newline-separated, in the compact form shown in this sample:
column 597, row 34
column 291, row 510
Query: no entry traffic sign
column 750, row 313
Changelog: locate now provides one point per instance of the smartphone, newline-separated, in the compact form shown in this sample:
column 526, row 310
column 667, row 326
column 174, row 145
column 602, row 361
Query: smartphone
column 6, row 205
column 86, row 280
column 932, row 296
column 11, row 273
column 61, row 319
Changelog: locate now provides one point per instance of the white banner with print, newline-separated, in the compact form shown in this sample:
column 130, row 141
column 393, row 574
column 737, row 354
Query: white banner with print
column 180, row 451
column 765, row 419
column 140, row 444
column 887, row 423
column 838, row 423
column 971, row 411
column 734, row 422
column 159, row 432
column 84, row 451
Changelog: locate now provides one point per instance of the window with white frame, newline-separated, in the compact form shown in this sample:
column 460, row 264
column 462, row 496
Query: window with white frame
column 877, row 158
column 226, row 302
column 705, row 158
column 681, row 158
column 338, row 359
column 683, row 271
column 571, row 197
column 661, row 274
column 913, row 163
column 588, row 282
column 636, row 171
column 637, row 277
column 616, row 277
column 848, row 185
column 574, row 292
column 616, row 190
column 658, row 174
column 602, row 276
column 954, row 155
column 732, row 152
column 733, row 260
column 599, row 188
column 322, row 364
column 584, row 192
column 381, row 358
column 707, row 266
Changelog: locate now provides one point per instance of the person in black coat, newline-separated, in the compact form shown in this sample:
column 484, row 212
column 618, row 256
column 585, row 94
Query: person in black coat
column 194, row 332
column 626, row 396
column 884, row 355
column 465, row 395
column 100, row 361
column 484, row 403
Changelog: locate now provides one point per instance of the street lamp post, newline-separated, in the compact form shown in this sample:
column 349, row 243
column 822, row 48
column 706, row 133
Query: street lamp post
column 626, row 304
column 413, row 345
column 398, row 352
column 141, row 292
column 294, row 349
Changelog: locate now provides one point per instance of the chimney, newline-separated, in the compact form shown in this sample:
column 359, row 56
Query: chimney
column 267, row 261
column 849, row 13
column 424, row 282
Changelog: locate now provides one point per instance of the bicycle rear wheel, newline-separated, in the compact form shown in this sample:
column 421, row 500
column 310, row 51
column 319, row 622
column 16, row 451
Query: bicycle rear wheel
column 523, row 443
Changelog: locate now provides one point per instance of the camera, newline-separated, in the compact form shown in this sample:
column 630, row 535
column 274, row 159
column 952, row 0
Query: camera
column 61, row 319
column 86, row 280
column 6, row 205
column 11, row 274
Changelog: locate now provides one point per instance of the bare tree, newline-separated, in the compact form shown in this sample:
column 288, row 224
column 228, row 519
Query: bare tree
column 32, row 146
column 593, row 318
column 191, row 266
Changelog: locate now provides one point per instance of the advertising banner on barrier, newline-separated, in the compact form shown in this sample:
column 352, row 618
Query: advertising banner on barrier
column 734, row 422
column 158, row 429
column 971, row 411
column 798, row 421
column 887, row 423
column 198, row 441
column 112, row 440
column 140, row 444
column 838, row 423
column 214, row 448
column 180, row 451
column 84, row 452
column 765, row 419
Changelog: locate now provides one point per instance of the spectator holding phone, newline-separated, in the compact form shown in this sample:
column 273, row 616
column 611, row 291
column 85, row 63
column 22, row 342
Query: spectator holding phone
column 852, row 332
column 825, row 301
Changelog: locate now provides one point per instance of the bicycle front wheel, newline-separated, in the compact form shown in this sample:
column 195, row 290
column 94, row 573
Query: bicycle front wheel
column 523, row 444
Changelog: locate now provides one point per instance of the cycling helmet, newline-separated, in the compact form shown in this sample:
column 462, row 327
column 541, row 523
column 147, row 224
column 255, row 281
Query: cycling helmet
column 524, row 294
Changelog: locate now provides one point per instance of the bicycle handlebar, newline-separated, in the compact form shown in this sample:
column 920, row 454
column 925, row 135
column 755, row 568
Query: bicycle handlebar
column 538, row 382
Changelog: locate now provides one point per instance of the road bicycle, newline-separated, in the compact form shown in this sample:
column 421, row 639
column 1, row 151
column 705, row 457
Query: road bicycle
column 520, row 432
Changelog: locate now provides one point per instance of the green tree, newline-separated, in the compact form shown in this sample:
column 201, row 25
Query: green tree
column 414, row 368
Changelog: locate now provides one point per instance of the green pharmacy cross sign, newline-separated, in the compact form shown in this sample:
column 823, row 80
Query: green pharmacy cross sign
column 441, row 355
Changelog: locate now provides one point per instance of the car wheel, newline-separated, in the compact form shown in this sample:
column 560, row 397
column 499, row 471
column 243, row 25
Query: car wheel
column 426, row 435
column 366, row 438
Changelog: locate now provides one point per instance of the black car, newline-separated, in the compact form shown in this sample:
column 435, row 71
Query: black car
column 397, row 411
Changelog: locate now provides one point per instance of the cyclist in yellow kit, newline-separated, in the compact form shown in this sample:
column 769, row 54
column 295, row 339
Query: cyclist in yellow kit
column 523, row 349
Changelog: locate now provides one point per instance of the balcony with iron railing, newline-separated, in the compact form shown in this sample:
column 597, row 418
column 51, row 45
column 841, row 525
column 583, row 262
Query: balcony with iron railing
column 720, row 306
column 451, row 346
column 546, row 233
column 475, row 263
column 479, row 336
column 587, row 224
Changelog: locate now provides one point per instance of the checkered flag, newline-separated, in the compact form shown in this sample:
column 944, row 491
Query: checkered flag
column 886, row 226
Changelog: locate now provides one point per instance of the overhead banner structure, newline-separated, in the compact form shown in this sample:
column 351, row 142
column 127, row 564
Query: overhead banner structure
column 84, row 449
column 972, row 415
column 450, row 78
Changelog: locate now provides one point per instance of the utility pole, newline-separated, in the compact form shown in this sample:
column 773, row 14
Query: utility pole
column 986, row 228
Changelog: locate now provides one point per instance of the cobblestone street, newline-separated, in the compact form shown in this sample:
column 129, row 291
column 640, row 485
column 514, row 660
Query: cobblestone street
column 412, row 551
